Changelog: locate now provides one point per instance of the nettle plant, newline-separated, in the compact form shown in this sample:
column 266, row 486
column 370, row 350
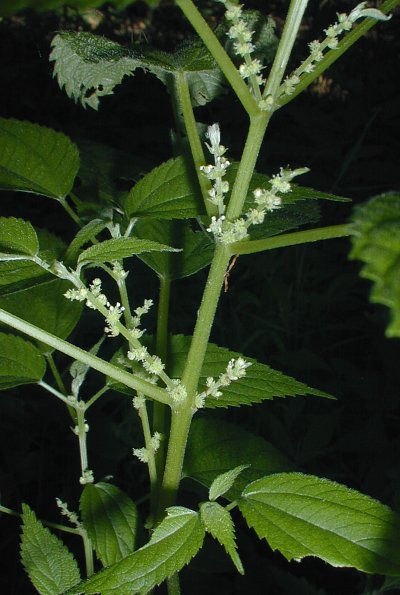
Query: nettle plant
column 195, row 210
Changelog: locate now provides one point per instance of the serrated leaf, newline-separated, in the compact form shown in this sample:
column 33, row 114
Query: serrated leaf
column 216, row 446
column 84, row 236
column 173, row 544
column 222, row 483
column 50, row 566
column 261, row 382
column 18, row 237
column 110, row 518
column 302, row 516
column 119, row 248
column 45, row 306
column 20, row 362
column 218, row 521
column 376, row 241
column 197, row 248
column 36, row 159
column 167, row 192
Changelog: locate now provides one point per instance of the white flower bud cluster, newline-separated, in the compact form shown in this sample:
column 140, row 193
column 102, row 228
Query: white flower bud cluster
column 87, row 477
column 143, row 454
column 332, row 33
column 177, row 391
column 235, row 369
column 71, row 516
column 216, row 172
column 151, row 363
column 119, row 273
column 228, row 232
column 112, row 319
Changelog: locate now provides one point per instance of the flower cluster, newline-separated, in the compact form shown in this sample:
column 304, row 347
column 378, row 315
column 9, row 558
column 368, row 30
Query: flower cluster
column 86, row 477
column 216, row 172
column 235, row 369
column 332, row 33
column 266, row 201
column 71, row 516
column 134, row 329
column 151, row 363
column 177, row 391
column 143, row 454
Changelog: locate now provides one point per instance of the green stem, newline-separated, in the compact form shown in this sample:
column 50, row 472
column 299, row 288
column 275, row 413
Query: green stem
column 71, row 212
column 219, row 54
column 289, row 34
column 333, row 55
column 149, row 390
column 96, row 396
column 88, row 549
column 291, row 239
column 55, row 392
column 183, row 95
column 47, row 523
column 56, row 374
column 144, row 418
column 125, row 302
column 81, row 430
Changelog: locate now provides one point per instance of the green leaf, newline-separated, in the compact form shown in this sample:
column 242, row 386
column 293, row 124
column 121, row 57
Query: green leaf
column 222, row 483
column 376, row 241
column 36, row 159
column 45, row 306
column 84, row 236
column 218, row 521
column 167, row 192
column 302, row 515
column 110, row 518
column 197, row 248
column 18, row 237
column 119, row 248
column 20, row 362
column 173, row 544
column 216, row 447
column 50, row 566
column 261, row 382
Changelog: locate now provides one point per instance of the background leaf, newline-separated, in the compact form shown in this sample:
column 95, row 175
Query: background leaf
column 119, row 248
column 50, row 566
column 302, row 515
column 197, row 248
column 216, row 446
column 20, row 362
column 110, row 518
column 168, row 191
column 36, row 159
column 218, row 522
column 173, row 544
column 261, row 382
column 376, row 241
column 18, row 236
column 84, row 236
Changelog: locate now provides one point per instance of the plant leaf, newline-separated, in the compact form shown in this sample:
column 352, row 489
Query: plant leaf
column 197, row 248
column 173, row 544
column 222, row 483
column 119, row 248
column 261, row 382
column 84, row 236
column 376, row 241
column 36, row 159
column 302, row 515
column 18, row 236
column 48, row 308
column 110, row 518
column 49, row 564
column 218, row 521
column 20, row 362
column 167, row 192
column 216, row 447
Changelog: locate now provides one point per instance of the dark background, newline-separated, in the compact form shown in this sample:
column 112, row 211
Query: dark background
column 302, row 310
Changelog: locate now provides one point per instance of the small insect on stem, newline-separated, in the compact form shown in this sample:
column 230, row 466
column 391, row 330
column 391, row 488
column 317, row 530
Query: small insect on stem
column 228, row 272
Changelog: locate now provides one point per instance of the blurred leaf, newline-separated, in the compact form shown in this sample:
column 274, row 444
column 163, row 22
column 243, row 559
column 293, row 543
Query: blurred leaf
column 45, row 306
column 119, row 248
column 50, row 566
column 20, row 362
column 261, row 382
column 36, row 159
column 17, row 237
column 197, row 248
column 302, row 515
column 218, row 521
column 167, row 192
column 376, row 241
column 173, row 544
column 216, row 447
column 110, row 518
